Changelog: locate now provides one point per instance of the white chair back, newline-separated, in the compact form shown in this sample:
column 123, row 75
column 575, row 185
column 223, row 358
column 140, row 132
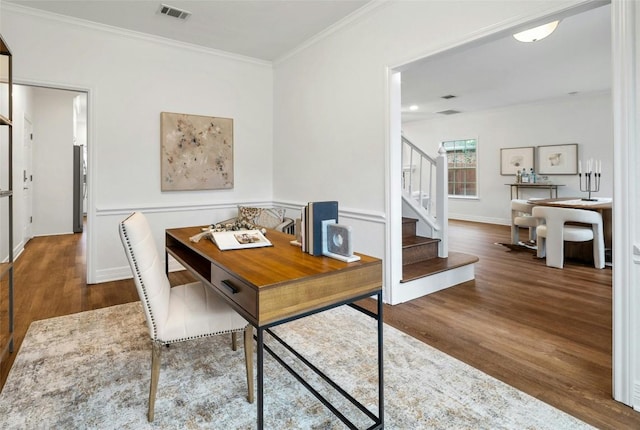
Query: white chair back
column 148, row 271
column 521, row 216
column 554, row 232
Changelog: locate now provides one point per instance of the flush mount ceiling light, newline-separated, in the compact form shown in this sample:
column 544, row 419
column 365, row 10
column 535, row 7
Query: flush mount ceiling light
column 413, row 107
column 536, row 33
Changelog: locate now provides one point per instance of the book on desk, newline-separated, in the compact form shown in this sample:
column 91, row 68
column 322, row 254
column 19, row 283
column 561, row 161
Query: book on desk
column 244, row 239
column 313, row 215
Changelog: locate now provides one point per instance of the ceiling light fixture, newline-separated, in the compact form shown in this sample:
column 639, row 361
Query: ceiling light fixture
column 536, row 33
column 413, row 107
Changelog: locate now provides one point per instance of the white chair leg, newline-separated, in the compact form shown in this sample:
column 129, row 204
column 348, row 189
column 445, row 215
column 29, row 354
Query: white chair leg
column 248, row 358
column 515, row 234
column 555, row 250
column 598, row 246
column 156, row 347
column 540, row 245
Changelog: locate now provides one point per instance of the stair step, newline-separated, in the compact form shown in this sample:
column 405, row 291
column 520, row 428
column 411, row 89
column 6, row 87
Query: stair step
column 418, row 248
column 432, row 266
column 409, row 226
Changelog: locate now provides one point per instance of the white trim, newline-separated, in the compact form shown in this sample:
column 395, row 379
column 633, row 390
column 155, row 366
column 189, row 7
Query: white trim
column 349, row 19
column 132, row 34
column 361, row 215
column 431, row 284
column 393, row 187
column 625, row 192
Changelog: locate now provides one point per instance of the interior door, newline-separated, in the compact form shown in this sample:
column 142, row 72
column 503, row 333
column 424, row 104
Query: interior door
column 27, row 181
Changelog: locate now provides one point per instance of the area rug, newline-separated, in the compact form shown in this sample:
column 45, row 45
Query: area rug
column 91, row 371
column 519, row 247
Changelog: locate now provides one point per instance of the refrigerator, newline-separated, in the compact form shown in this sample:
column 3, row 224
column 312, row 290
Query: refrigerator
column 78, row 188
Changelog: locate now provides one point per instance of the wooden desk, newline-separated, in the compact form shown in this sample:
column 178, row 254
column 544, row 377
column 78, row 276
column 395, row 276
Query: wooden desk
column 582, row 250
column 273, row 285
column 553, row 188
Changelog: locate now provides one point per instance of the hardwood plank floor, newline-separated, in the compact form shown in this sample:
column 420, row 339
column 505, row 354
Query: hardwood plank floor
column 544, row 331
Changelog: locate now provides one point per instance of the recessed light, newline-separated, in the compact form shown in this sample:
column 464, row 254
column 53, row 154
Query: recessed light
column 413, row 107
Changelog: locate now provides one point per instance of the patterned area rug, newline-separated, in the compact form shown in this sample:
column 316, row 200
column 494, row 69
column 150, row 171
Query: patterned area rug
column 520, row 247
column 91, row 371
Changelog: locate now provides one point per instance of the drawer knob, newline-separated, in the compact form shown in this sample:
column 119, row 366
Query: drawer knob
column 230, row 286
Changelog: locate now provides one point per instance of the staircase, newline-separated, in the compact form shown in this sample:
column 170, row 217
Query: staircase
column 427, row 264
column 420, row 257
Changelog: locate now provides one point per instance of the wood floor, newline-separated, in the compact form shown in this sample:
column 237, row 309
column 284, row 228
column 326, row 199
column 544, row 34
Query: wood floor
column 544, row 331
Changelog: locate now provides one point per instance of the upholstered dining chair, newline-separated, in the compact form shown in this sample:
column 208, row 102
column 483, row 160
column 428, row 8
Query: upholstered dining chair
column 180, row 313
column 521, row 216
column 554, row 231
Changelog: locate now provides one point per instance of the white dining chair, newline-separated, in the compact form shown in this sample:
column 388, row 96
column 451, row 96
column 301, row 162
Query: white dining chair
column 180, row 313
column 554, row 231
column 521, row 216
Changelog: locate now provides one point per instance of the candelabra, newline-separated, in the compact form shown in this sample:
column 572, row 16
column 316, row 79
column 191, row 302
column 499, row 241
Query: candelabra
column 591, row 184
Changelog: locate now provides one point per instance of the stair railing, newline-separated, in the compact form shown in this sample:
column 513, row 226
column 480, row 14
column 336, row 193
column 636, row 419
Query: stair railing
column 425, row 189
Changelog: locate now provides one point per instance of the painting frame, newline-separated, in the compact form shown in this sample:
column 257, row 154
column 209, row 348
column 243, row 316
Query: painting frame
column 558, row 159
column 196, row 152
column 514, row 159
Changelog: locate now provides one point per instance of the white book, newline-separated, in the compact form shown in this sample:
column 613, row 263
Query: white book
column 242, row 239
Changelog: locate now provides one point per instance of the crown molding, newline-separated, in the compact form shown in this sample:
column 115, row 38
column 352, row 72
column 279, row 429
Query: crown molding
column 352, row 17
column 24, row 10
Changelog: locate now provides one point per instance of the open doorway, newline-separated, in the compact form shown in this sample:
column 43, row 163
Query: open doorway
column 54, row 187
column 491, row 160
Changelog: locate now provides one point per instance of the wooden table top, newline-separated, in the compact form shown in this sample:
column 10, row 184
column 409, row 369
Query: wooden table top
column 270, row 265
column 574, row 203
column 276, row 282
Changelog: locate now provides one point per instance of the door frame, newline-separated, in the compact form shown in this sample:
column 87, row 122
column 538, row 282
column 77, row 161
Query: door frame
column 90, row 222
column 626, row 271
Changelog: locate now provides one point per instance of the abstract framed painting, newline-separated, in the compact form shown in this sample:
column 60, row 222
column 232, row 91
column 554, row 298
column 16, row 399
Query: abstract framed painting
column 514, row 159
column 558, row 159
column 196, row 153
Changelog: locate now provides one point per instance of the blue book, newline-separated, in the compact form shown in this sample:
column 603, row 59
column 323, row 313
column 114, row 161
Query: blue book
column 318, row 212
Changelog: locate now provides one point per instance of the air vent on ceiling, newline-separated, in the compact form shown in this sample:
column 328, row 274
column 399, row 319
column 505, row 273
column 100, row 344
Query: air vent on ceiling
column 173, row 12
column 448, row 96
column 449, row 112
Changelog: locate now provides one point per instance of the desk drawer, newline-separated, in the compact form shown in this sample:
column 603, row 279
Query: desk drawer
column 238, row 291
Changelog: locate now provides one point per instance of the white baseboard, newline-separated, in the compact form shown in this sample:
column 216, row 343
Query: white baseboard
column 430, row 284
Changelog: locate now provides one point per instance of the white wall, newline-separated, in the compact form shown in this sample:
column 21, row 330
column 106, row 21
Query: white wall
column 52, row 188
column 582, row 119
column 130, row 80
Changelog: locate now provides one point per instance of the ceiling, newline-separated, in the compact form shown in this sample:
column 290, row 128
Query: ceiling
column 575, row 59
column 263, row 29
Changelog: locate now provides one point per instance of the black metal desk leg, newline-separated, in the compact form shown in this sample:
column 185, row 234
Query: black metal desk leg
column 260, row 376
column 380, row 364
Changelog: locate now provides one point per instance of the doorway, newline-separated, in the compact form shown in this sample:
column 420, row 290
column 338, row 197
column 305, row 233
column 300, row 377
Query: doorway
column 55, row 123
column 623, row 372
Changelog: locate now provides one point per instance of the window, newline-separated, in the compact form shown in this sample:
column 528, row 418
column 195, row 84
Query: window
column 462, row 164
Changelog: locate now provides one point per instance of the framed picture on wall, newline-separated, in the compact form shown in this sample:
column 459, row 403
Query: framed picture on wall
column 514, row 159
column 558, row 159
column 196, row 153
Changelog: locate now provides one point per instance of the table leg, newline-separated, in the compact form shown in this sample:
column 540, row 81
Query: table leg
column 260, row 376
column 380, row 364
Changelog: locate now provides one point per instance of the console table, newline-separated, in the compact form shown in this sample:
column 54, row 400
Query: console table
column 553, row 189
column 273, row 285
